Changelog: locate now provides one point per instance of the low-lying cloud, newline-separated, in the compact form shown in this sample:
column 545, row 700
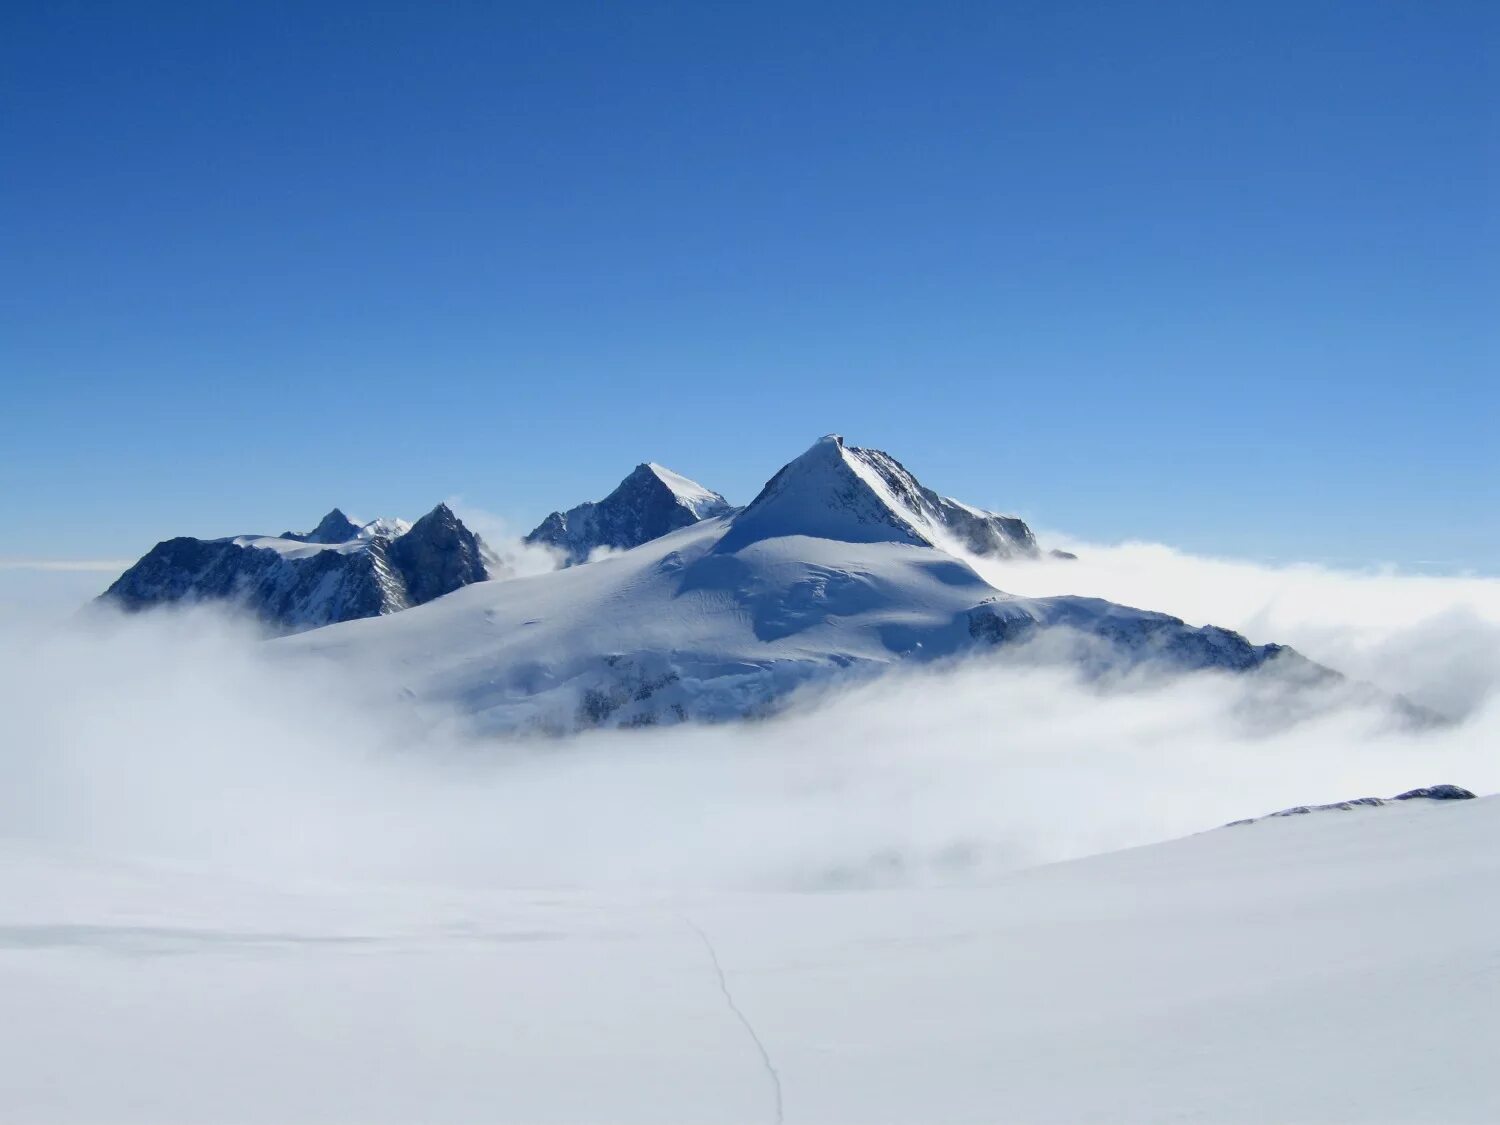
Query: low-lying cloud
column 181, row 735
column 513, row 556
column 1434, row 639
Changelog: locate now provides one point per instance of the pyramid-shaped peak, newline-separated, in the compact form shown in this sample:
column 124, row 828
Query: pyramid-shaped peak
column 647, row 504
column 827, row 449
column 441, row 517
column 843, row 492
column 830, row 491
column 438, row 555
column 335, row 527
column 702, row 502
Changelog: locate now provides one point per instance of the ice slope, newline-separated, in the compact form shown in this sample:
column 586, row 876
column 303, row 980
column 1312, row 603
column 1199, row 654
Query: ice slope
column 291, row 582
column 1336, row 968
column 648, row 503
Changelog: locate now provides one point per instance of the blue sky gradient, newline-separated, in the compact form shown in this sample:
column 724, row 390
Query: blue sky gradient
column 1219, row 275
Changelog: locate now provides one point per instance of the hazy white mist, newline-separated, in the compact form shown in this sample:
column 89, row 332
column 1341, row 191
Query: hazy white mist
column 180, row 736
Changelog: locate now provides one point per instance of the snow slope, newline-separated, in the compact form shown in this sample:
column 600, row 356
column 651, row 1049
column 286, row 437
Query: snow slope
column 831, row 571
column 679, row 628
column 1337, row 968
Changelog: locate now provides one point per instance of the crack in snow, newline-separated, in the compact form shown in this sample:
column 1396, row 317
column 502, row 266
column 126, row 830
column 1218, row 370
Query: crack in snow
column 760, row 1047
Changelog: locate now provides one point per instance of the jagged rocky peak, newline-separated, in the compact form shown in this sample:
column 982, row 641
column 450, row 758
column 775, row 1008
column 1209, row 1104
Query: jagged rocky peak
column 335, row 527
column 647, row 504
column 843, row 492
column 439, row 554
column 295, row 581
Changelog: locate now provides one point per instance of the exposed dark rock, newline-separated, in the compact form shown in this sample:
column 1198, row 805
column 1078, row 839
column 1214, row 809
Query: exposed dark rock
column 1431, row 793
column 437, row 556
column 373, row 571
column 646, row 505
column 335, row 527
column 1436, row 793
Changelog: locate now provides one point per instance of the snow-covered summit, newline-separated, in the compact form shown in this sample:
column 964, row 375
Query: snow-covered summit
column 702, row 502
column 843, row 492
column 647, row 504
column 339, row 571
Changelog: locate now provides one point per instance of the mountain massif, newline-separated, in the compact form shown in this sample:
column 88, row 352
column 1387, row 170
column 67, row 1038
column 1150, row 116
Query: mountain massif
column 842, row 566
column 339, row 571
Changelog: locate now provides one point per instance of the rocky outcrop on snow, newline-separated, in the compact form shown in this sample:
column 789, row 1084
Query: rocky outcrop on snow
column 295, row 581
column 1436, row 793
column 1427, row 793
column 647, row 504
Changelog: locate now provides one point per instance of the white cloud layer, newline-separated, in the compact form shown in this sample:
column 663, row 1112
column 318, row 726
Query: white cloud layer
column 179, row 735
column 1435, row 639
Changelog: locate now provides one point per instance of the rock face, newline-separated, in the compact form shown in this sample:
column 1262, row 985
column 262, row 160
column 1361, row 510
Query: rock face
column 296, row 581
column 437, row 556
column 866, row 496
column 650, row 502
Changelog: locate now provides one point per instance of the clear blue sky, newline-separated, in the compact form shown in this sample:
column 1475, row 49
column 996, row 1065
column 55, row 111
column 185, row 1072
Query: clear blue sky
column 1222, row 275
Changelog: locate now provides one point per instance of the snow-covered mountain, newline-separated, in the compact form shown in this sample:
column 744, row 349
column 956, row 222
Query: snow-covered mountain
column 837, row 568
column 647, row 504
column 339, row 571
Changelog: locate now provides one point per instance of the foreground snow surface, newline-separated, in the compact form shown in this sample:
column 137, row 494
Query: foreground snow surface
column 1339, row 967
